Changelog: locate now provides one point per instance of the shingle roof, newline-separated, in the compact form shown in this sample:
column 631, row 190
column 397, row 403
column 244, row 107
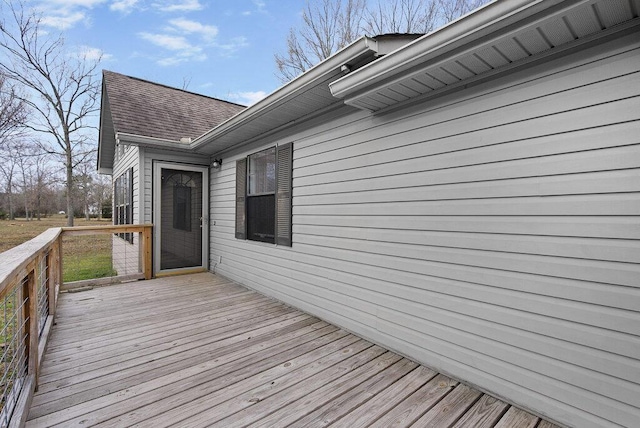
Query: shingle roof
column 149, row 109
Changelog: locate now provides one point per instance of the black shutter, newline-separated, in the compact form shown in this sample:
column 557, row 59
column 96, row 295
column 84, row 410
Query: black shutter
column 284, row 162
column 241, row 199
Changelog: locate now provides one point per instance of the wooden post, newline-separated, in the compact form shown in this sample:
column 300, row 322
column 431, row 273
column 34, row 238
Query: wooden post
column 34, row 323
column 60, row 261
column 146, row 249
column 53, row 261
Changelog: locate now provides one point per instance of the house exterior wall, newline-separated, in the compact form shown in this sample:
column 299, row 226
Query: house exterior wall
column 125, row 255
column 492, row 234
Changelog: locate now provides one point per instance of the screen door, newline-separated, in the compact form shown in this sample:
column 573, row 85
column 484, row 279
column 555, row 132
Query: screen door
column 180, row 217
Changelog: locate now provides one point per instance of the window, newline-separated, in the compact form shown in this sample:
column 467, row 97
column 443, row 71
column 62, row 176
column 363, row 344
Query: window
column 123, row 202
column 182, row 207
column 263, row 196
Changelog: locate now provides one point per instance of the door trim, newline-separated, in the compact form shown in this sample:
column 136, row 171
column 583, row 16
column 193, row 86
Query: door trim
column 157, row 225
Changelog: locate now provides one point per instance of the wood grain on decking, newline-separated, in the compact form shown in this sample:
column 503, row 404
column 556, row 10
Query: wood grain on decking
column 199, row 350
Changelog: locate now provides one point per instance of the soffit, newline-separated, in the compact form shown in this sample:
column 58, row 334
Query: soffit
column 441, row 69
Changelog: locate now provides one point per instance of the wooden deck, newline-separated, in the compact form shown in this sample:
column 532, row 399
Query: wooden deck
column 199, row 350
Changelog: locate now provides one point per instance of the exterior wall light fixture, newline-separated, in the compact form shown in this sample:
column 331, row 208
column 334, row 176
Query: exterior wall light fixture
column 216, row 164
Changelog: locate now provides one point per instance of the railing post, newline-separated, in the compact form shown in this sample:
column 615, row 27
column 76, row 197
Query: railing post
column 146, row 250
column 34, row 324
column 54, row 275
column 60, row 261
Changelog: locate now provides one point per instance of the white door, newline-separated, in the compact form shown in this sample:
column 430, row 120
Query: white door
column 180, row 217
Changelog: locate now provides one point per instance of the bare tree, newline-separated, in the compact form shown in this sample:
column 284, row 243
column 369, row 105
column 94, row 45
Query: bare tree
column 26, row 160
column 401, row 16
column 42, row 179
column 13, row 111
column 186, row 81
column 454, row 9
column 8, row 169
column 329, row 25
column 84, row 186
column 101, row 192
column 62, row 89
column 28, row 175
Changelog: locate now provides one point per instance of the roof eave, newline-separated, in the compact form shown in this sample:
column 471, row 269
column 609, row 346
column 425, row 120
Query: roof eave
column 482, row 22
column 358, row 48
column 143, row 141
column 103, row 166
column 100, row 164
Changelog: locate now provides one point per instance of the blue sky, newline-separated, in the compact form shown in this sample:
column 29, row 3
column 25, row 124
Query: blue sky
column 221, row 48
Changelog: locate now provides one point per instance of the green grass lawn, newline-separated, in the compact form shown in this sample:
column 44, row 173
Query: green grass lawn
column 84, row 257
column 88, row 266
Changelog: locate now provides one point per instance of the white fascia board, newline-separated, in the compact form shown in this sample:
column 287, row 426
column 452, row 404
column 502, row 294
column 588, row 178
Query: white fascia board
column 467, row 29
column 361, row 46
column 140, row 140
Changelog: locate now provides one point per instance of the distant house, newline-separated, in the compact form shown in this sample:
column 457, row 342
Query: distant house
column 470, row 199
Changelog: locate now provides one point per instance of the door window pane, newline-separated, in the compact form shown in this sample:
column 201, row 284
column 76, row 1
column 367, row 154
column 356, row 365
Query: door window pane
column 182, row 207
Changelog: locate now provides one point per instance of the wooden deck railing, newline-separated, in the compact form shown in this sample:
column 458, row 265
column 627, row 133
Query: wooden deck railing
column 30, row 279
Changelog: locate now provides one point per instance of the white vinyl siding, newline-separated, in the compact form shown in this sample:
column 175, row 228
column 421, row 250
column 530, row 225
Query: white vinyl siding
column 492, row 234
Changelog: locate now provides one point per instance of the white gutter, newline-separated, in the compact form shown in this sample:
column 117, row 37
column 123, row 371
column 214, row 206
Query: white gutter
column 307, row 79
column 140, row 140
column 481, row 23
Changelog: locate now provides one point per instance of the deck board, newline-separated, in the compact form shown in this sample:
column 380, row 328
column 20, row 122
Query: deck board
column 200, row 350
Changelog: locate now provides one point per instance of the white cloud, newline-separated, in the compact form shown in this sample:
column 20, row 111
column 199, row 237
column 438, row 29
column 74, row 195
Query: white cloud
column 188, row 40
column 233, row 45
column 248, row 98
column 184, row 51
column 208, row 32
column 93, row 54
column 123, row 6
column 63, row 22
column 64, row 14
column 74, row 3
column 181, row 6
column 260, row 5
column 174, row 43
column 179, row 59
